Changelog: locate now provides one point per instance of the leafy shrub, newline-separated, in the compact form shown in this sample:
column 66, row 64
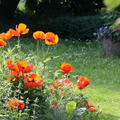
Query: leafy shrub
column 72, row 27
column 27, row 96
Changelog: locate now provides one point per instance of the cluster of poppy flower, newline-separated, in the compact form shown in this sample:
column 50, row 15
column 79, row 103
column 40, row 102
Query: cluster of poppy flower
column 81, row 84
column 19, row 69
column 89, row 107
column 65, row 69
column 14, row 104
column 82, row 80
column 59, row 84
column 50, row 38
column 20, row 29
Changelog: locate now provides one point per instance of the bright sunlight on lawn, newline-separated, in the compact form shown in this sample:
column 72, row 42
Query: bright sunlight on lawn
column 88, row 60
column 104, row 74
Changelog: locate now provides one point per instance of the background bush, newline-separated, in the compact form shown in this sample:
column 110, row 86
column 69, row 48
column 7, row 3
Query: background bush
column 81, row 28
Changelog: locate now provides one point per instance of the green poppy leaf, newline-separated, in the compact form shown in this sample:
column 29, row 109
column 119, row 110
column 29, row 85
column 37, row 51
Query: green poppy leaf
column 111, row 4
column 70, row 107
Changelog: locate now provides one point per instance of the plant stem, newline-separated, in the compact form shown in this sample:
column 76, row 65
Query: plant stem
column 38, row 43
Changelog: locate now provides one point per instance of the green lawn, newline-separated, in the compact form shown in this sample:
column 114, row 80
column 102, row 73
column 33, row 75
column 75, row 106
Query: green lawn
column 88, row 60
column 103, row 72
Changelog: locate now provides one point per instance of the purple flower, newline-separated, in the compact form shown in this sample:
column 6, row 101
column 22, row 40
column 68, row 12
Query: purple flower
column 106, row 31
column 100, row 29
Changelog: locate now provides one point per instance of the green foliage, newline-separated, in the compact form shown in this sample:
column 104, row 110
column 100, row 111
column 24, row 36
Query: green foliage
column 111, row 4
column 109, row 17
column 80, row 28
column 70, row 107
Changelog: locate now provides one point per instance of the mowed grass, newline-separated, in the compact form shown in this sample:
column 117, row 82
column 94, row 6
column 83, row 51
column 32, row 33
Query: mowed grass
column 88, row 60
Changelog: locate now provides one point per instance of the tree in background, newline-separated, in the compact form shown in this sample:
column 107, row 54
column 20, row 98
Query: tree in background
column 52, row 7
column 7, row 8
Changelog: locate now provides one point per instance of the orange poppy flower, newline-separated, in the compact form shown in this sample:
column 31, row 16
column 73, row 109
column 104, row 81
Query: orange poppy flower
column 9, row 64
column 55, row 104
column 82, row 82
column 60, row 84
column 53, row 87
column 51, row 38
column 17, row 74
column 19, row 68
column 21, row 64
column 90, row 105
column 83, row 103
column 13, row 32
column 33, row 81
column 28, row 69
column 3, row 36
column 66, row 68
column 91, row 109
column 21, row 105
column 22, row 29
column 39, row 35
column 7, row 36
column 34, row 77
column 14, row 104
column 67, row 81
column 64, row 81
column 2, row 43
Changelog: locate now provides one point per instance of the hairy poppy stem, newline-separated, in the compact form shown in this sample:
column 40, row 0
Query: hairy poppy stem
column 47, row 52
column 37, row 47
column 18, row 45
column 8, row 44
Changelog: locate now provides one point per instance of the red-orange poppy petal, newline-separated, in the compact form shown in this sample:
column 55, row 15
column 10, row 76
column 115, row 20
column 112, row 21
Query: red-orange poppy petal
column 66, row 68
column 21, row 105
column 82, row 103
column 67, row 81
column 34, row 77
column 2, row 43
column 9, row 64
column 3, row 36
column 51, row 38
column 82, row 82
column 22, row 28
column 30, row 81
column 22, row 64
column 14, row 104
column 61, row 82
column 55, row 104
column 91, row 109
column 28, row 68
column 17, row 74
column 14, row 32
column 15, row 68
column 39, row 35
column 9, row 35
column 90, row 105
column 6, row 36
column 25, row 31
column 32, row 84
column 53, row 87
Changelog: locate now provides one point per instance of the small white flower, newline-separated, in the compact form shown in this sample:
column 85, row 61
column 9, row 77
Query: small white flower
column 80, row 111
